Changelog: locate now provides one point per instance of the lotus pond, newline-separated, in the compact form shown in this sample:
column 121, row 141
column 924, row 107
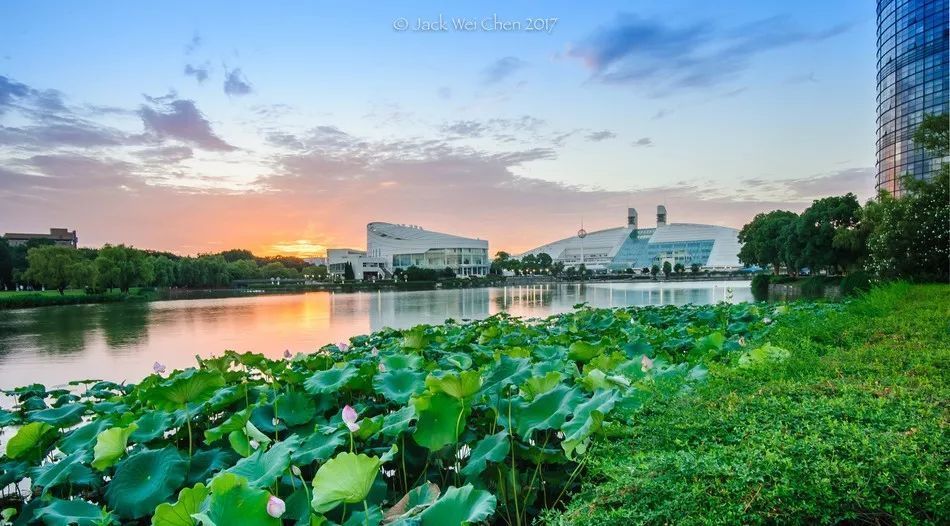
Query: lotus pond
column 481, row 422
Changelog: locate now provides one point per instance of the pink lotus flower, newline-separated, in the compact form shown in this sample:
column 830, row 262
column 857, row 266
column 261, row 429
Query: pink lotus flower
column 275, row 507
column 158, row 368
column 287, row 353
column 382, row 367
column 343, row 346
column 646, row 363
column 349, row 418
column 374, row 352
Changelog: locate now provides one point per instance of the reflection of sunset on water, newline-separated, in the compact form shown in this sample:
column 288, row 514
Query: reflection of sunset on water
column 121, row 341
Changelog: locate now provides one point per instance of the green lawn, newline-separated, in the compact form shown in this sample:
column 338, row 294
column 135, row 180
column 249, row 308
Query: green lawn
column 852, row 429
column 46, row 293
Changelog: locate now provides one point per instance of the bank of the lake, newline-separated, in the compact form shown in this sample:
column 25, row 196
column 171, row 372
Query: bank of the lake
column 851, row 429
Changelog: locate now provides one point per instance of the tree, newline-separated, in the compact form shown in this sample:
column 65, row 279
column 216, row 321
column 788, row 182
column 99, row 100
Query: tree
column 933, row 134
column 320, row 272
column 667, row 268
column 544, row 260
column 827, row 231
column 275, row 269
column 243, row 269
column 679, row 268
column 237, row 254
column 164, row 272
column 6, row 264
column 654, row 270
column 348, row 271
column 123, row 267
column 52, row 266
column 694, row 268
column 447, row 272
column 761, row 239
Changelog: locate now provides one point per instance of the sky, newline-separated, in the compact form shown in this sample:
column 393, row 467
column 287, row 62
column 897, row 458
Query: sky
column 284, row 127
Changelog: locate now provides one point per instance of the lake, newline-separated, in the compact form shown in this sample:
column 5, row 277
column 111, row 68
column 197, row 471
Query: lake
column 121, row 341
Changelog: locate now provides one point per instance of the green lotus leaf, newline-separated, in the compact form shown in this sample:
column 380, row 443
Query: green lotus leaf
column 189, row 502
column 331, row 380
column 233, row 502
column 61, row 417
column 586, row 420
column 71, row 512
column 441, row 420
column 111, row 445
column 595, row 379
column 240, row 443
column 318, row 447
column 371, row 517
column 84, row 437
column 152, row 425
column 606, row 362
column 399, row 385
column 262, row 468
column 394, row 362
column 547, row 411
column 492, row 448
column 33, row 404
column 465, row 505
column 460, row 385
column 538, row 385
column 69, row 470
column 7, row 418
column 346, row 478
column 457, row 360
column 398, row 421
column 295, row 408
column 206, row 463
column 415, row 338
column 190, row 386
column 235, row 422
column 31, row 441
column 369, row 427
column 13, row 471
column 263, row 419
column 764, row 354
column 413, row 502
column 508, row 371
column 581, row 351
column 144, row 480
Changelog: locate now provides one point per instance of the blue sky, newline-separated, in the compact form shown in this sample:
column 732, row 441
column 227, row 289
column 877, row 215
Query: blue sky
column 321, row 116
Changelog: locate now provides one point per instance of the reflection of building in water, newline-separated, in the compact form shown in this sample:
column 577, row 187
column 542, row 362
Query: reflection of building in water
column 405, row 309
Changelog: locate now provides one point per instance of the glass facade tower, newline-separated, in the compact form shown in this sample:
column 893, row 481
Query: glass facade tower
column 912, row 81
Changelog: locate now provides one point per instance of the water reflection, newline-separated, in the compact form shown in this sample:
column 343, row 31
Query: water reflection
column 121, row 341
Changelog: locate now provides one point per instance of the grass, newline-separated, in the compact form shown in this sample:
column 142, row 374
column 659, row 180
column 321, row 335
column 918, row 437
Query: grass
column 44, row 298
column 851, row 429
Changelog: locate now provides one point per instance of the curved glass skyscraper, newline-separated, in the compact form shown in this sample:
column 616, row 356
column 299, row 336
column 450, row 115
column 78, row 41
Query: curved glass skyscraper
column 912, row 81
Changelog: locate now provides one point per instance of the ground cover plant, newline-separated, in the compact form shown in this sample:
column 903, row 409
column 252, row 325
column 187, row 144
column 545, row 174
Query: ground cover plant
column 487, row 421
column 850, row 428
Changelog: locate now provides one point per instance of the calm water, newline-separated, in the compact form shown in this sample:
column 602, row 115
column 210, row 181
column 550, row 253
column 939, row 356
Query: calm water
column 52, row 345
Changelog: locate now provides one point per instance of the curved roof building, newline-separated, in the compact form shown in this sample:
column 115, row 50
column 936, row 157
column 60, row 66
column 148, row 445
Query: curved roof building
column 403, row 246
column 711, row 247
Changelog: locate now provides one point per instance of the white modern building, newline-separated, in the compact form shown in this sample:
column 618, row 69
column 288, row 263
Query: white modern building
column 390, row 247
column 403, row 246
column 364, row 267
column 709, row 246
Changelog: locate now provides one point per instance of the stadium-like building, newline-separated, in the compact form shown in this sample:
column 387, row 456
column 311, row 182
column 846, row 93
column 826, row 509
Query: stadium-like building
column 403, row 246
column 630, row 247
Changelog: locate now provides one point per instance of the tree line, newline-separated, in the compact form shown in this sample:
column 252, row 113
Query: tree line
column 40, row 263
column 905, row 237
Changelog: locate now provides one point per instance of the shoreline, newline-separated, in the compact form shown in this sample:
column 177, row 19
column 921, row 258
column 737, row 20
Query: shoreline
column 10, row 300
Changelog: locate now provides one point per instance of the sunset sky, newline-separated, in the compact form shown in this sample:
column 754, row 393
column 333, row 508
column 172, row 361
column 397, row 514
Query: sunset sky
column 284, row 127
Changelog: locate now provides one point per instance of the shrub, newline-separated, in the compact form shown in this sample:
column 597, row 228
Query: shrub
column 760, row 286
column 855, row 283
column 814, row 287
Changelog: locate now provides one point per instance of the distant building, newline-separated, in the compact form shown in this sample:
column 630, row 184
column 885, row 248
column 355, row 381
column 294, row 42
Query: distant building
column 390, row 247
column 59, row 236
column 316, row 261
column 709, row 246
column 363, row 267
column 404, row 246
column 912, row 81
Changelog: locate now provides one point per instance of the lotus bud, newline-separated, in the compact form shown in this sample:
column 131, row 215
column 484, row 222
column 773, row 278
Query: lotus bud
column 295, row 470
column 349, row 418
column 158, row 368
column 374, row 351
column 382, row 367
column 646, row 363
column 287, row 353
column 343, row 346
column 275, row 507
